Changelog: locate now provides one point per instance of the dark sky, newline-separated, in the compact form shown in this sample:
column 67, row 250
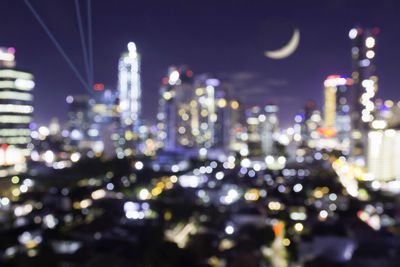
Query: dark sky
column 226, row 38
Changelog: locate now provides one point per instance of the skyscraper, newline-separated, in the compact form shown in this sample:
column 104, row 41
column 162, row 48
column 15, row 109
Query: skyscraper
column 365, row 86
column 255, row 120
column 78, row 121
column 178, row 120
column 271, row 128
column 93, row 120
column 383, row 154
column 224, row 117
column 308, row 124
column 193, row 112
column 104, row 120
column 237, row 129
column 16, row 110
column 213, row 112
column 129, row 88
column 337, row 106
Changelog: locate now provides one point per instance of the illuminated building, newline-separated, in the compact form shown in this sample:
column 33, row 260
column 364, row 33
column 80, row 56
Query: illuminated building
column 54, row 127
column 178, row 120
column 237, row 129
column 129, row 88
column 78, row 119
column 384, row 141
column 261, row 130
column 309, row 124
column 16, row 110
column 298, row 128
column 214, row 112
column 365, row 86
column 104, row 120
column 384, row 154
column 314, row 123
column 387, row 115
column 149, row 135
column 255, row 120
column 337, row 106
column 222, row 124
column 93, row 121
column 204, row 115
column 271, row 128
column 193, row 113
column 229, row 119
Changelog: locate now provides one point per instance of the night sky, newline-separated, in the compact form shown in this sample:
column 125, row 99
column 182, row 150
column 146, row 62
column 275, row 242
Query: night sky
column 225, row 38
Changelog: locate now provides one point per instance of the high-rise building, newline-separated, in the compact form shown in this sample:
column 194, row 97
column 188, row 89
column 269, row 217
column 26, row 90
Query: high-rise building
column 93, row 120
column 384, row 154
column 213, row 111
column 104, row 120
column 337, row 106
column 224, row 117
column 308, row 124
column 365, row 86
column 271, row 128
column 178, row 120
column 237, row 127
column 203, row 107
column 129, row 87
column 193, row 112
column 262, row 128
column 255, row 120
column 16, row 110
column 78, row 121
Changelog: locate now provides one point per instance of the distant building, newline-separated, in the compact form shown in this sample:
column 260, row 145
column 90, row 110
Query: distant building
column 16, row 108
column 365, row 86
column 178, row 120
column 237, row 129
column 93, row 121
column 337, row 106
column 214, row 112
column 308, row 126
column 104, row 120
column 129, row 88
column 384, row 154
column 78, row 120
column 255, row 120
column 193, row 112
column 261, row 130
column 271, row 128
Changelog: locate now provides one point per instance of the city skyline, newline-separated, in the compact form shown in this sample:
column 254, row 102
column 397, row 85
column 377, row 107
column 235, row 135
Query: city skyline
column 211, row 134
column 233, row 46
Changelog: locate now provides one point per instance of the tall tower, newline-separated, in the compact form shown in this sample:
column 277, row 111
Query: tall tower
column 193, row 112
column 129, row 88
column 307, row 125
column 271, row 128
column 178, row 120
column 365, row 86
column 337, row 105
column 16, row 110
column 255, row 120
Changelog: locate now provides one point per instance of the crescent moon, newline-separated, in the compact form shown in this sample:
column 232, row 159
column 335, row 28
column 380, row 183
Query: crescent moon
column 288, row 49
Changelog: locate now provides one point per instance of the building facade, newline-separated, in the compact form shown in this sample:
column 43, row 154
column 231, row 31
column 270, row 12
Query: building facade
column 16, row 110
column 337, row 106
column 365, row 87
column 129, row 88
column 194, row 112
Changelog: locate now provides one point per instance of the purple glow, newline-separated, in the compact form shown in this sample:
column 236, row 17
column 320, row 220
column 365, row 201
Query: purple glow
column 32, row 126
column 213, row 82
column 11, row 50
column 384, row 108
column 220, row 94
